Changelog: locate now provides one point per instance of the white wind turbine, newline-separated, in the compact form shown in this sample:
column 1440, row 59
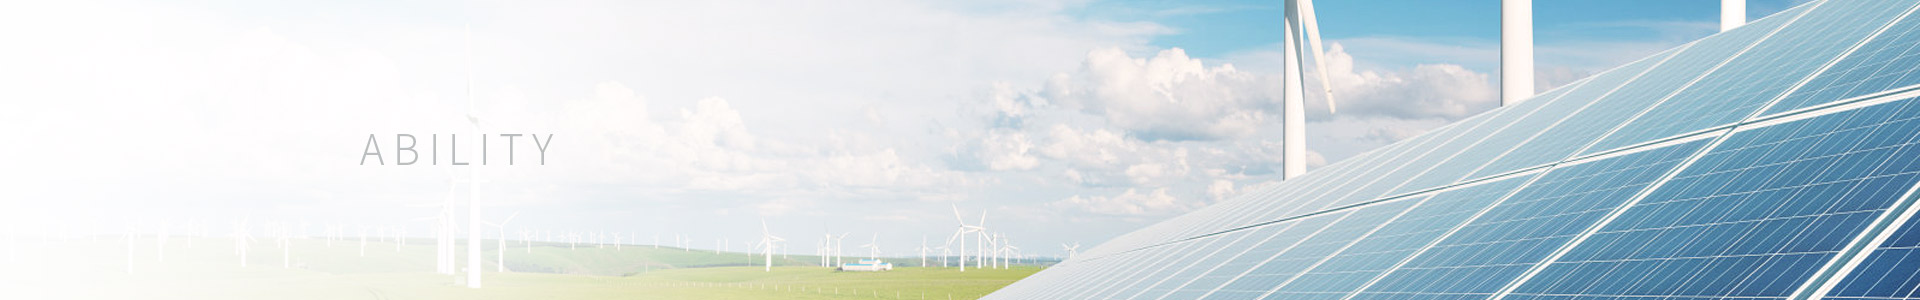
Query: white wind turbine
column 873, row 247
column 286, row 247
column 944, row 254
column 526, row 236
column 241, row 235
column 767, row 244
column 961, row 232
column 1071, row 250
column 473, row 173
column 443, row 229
column 501, row 261
column 1300, row 22
column 821, row 250
column 839, row 241
column 1007, row 255
column 980, row 242
column 923, row 250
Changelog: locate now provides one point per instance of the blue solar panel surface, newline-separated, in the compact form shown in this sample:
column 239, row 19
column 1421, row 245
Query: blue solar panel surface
column 1773, row 161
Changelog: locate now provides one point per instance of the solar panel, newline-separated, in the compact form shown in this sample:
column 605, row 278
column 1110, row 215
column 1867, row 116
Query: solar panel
column 1774, row 161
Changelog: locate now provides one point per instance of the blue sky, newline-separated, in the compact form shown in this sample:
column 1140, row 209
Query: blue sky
column 1067, row 121
column 1215, row 28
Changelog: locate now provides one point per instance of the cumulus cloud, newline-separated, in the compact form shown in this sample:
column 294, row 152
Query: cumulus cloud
column 1167, row 97
column 1445, row 91
column 1191, row 132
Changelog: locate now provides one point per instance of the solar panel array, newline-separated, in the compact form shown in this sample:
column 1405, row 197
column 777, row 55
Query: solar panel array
column 1778, row 160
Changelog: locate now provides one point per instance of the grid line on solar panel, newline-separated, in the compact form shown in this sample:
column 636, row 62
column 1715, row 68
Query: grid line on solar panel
column 1212, row 262
column 1761, row 171
column 1283, row 265
column 1220, row 243
column 1582, row 237
column 1157, row 259
column 1579, row 100
column 1418, row 147
column 1244, row 262
column 1747, row 83
column 1551, row 207
column 1884, row 253
column 1256, row 216
column 1382, row 184
column 1449, row 169
column 1616, row 107
column 1887, row 62
column 1379, row 250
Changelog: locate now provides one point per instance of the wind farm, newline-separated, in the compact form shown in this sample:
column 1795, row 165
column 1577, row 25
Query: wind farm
column 307, row 267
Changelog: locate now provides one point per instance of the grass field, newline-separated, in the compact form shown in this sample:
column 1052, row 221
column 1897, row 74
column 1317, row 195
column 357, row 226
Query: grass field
column 312, row 270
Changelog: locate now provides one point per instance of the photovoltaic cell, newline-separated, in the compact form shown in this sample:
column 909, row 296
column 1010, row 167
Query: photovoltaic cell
column 1886, row 62
column 1891, row 272
column 1753, row 218
column 1352, row 267
column 1284, row 265
column 1644, row 91
column 1496, row 248
column 1552, row 113
column 1756, row 77
column 1663, row 203
column 1241, row 263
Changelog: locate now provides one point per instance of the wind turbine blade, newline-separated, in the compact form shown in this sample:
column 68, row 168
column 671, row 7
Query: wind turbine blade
column 509, row 218
column 957, row 217
column 983, row 220
column 1311, row 25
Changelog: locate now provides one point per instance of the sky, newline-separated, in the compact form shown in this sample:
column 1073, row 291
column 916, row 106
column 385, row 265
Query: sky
column 1069, row 121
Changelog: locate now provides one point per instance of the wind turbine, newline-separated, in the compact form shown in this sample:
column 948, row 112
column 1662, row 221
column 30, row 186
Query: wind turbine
column 961, row 232
column 923, row 250
column 286, row 247
column 837, row 243
column 473, row 173
column 501, row 261
column 160, row 243
column 526, row 236
column 767, row 242
column 944, row 254
column 980, row 239
column 241, row 236
column 1071, row 250
column 825, row 243
column 1300, row 22
column 873, row 247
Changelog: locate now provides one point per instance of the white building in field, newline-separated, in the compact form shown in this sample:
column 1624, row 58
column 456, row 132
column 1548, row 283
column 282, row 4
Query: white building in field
column 867, row 265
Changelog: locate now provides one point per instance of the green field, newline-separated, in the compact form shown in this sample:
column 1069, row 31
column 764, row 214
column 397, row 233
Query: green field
column 310, row 269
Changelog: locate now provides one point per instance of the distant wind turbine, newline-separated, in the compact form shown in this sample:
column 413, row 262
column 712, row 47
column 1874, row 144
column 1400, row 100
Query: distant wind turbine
column 767, row 243
column 501, row 261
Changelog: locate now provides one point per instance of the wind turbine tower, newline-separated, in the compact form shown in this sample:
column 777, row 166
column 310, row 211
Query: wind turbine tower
column 1733, row 13
column 1516, row 51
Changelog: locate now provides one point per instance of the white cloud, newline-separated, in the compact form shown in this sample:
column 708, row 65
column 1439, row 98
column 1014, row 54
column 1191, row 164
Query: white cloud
column 1006, row 150
column 1167, row 97
column 1130, row 203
